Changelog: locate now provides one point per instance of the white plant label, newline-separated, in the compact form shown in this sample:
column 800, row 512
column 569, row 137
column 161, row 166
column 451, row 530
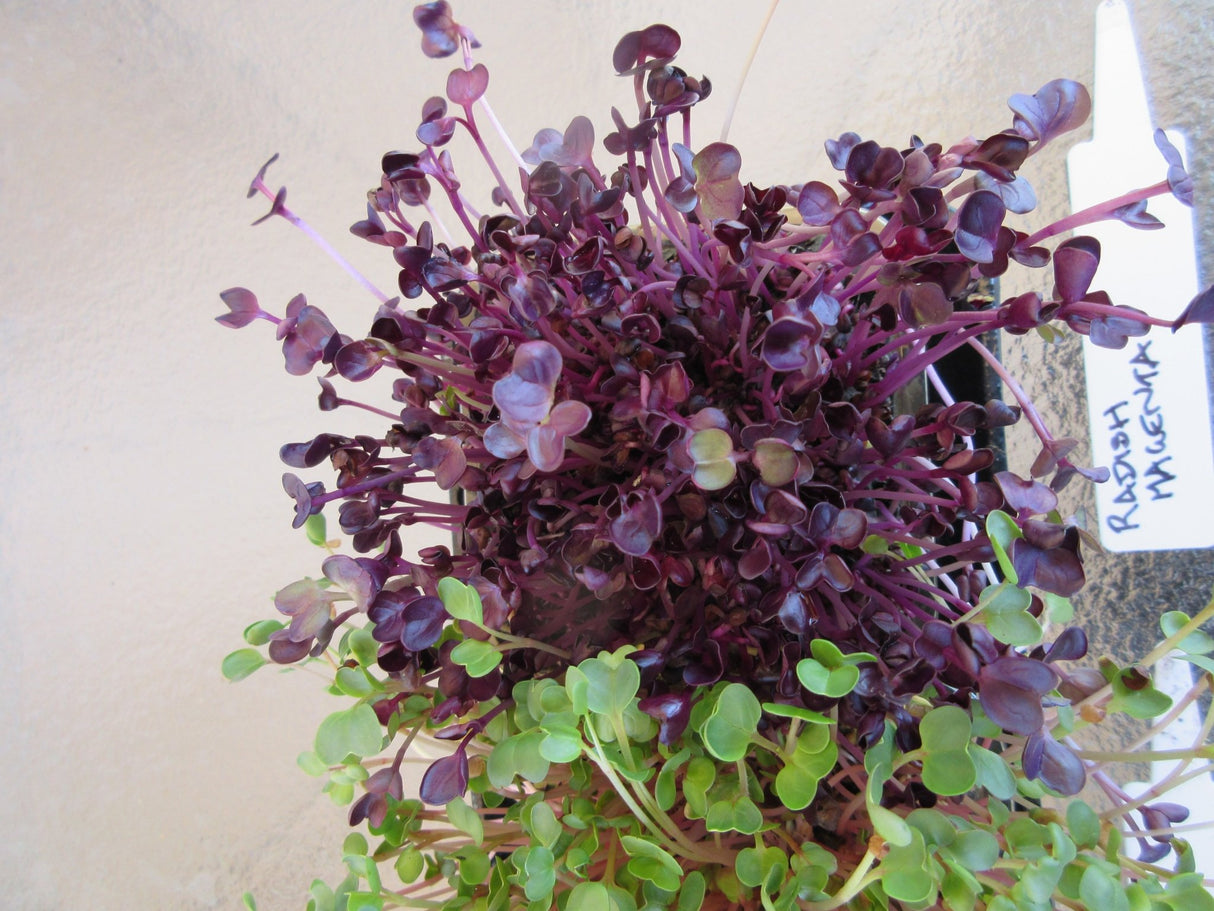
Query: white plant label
column 1147, row 403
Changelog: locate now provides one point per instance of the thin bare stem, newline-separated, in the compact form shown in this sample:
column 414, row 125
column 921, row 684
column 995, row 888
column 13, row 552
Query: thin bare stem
column 750, row 59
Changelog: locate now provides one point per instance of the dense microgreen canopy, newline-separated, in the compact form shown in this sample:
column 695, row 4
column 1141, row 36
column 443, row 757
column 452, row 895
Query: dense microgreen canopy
column 704, row 554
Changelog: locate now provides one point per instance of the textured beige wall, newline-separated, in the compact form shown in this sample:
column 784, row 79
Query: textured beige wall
column 141, row 521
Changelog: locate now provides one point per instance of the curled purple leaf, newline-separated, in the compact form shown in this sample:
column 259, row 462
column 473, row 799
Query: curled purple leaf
column 1055, row 108
column 259, row 179
column 1056, row 569
column 839, row 150
column 1054, row 763
column 1199, row 310
column 672, row 711
column 721, row 195
column 1029, row 495
column 1179, row 180
column 444, row 456
column 243, row 306
column 1135, row 215
column 440, row 32
column 640, row 521
column 1017, row 194
column 351, row 576
column 303, row 494
column 569, row 149
column 998, row 156
column 655, row 44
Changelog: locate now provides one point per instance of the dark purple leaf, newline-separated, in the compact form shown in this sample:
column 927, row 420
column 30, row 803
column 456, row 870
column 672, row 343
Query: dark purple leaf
column 756, row 561
column 1056, row 569
column 1000, row 414
column 284, row 650
column 1075, row 263
column 445, row 779
column 277, row 207
column 1054, row 763
column 978, row 224
column 998, row 156
column 681, row 194
column 1011, row 688
column 1022, row 494
column 1071, row 645
column 848, row 528
column 424, row 619
column 873, row 166
column 861, row 248
column 359, row 360
column 791, row 344
column 793, row 613
column 1052, row 452
column 672, row 711
column 890, row 439
column 817, row 203
column 969, row 461
column 328, row 399
column 707, row 666
column 586, row 257
column 923, row 303
column 312, row 453
column 837, row 573
column 436, row 132
column 926, row 208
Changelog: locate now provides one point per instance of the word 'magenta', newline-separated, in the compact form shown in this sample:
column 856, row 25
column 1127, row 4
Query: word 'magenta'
column 1140, row 448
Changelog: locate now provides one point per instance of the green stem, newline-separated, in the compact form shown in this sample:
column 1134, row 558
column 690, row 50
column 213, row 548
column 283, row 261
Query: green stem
column 859, row 880
column 1160, row 651
column 1205, row 752
column 524, row 642
column 671, row 837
